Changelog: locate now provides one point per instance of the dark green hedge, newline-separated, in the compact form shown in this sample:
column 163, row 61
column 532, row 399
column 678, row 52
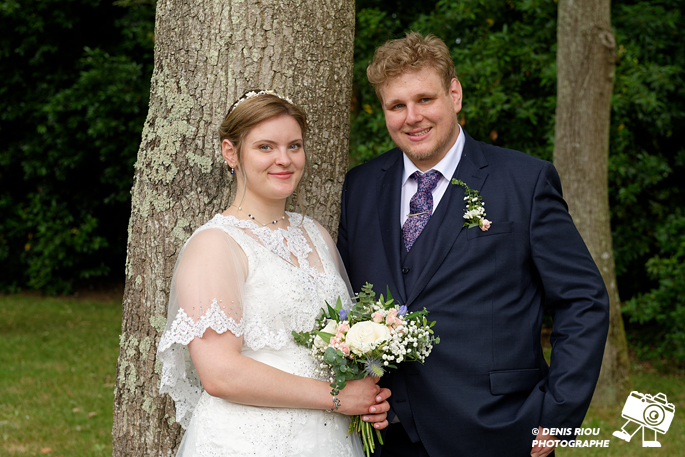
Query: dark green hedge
column 74, row 85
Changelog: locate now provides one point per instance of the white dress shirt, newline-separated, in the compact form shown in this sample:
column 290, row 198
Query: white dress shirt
column 446, row 167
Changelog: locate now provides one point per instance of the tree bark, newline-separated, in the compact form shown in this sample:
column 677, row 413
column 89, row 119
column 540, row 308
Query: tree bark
column 207, row 54
column 585, row 76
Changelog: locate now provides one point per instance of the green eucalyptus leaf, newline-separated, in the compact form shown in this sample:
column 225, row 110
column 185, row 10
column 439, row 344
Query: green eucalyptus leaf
column 329, row 356
column 325, row 336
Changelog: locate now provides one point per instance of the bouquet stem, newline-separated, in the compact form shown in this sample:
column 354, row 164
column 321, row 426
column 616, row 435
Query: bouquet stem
column 365, row 431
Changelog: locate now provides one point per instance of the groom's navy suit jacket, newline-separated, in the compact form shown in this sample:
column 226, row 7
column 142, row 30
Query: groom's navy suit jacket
column 486, row 385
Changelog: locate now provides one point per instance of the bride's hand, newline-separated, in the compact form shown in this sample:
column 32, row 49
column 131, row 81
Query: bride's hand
column 364, row 397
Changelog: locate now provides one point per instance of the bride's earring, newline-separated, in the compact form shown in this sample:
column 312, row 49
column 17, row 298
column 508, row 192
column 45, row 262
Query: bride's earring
column 229, row 166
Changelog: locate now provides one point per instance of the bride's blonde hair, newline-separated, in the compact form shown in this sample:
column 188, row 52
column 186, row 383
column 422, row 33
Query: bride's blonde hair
column 251, row 110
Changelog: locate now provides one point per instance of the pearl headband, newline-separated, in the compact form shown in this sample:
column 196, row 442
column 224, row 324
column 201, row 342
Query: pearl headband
column 253, row 94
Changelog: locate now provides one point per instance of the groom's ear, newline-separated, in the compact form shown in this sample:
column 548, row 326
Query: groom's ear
column 455, row 93
column 229, row 153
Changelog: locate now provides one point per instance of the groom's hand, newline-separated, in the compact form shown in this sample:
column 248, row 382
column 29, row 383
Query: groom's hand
column 542, row 451
column 378, row 413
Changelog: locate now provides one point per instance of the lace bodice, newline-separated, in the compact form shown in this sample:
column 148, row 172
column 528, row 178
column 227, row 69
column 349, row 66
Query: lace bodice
column 259, row 284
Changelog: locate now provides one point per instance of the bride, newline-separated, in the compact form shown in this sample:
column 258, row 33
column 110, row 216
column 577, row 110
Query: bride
column 243, row 282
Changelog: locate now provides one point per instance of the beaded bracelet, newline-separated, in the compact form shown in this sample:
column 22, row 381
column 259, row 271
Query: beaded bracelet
column 336, row 402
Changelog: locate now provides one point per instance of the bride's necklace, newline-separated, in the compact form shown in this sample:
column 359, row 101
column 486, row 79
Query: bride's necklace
column 275, row 221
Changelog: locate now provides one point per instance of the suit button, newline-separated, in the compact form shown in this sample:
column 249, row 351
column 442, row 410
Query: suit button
column 405, row 271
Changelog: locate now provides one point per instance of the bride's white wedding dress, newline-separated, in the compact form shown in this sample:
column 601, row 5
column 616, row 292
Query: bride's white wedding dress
column 259, row 284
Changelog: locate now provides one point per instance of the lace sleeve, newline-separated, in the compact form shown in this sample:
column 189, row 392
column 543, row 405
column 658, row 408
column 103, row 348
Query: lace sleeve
column 206, row 292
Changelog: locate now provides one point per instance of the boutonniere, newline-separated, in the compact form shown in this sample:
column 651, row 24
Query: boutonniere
column 475, row 207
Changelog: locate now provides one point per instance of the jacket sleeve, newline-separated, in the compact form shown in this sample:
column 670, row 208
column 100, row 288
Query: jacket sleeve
column 576, row 297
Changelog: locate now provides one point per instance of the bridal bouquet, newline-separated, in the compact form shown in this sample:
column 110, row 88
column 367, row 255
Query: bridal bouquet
column 366, row 339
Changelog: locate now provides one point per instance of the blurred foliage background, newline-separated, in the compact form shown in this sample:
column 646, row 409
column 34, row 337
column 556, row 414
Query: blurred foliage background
column 74, row 90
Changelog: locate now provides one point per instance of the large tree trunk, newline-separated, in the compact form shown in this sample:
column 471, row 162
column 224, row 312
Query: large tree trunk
column 207, row 53
column 585, row 76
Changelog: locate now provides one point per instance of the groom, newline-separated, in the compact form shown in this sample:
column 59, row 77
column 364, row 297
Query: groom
column 486, row 388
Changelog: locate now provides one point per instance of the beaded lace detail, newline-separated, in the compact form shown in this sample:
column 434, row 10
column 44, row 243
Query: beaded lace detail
column 282, row 242
column 184, row 329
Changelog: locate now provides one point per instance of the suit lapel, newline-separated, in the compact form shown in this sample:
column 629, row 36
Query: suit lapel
column 471, row 170
column 388, row 204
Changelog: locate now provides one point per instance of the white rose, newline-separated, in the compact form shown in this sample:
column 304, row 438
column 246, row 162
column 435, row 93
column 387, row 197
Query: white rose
column 365, row 336
column 331, row 327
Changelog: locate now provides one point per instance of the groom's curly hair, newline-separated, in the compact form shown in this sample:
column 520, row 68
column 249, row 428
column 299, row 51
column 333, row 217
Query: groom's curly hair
column 414, row 52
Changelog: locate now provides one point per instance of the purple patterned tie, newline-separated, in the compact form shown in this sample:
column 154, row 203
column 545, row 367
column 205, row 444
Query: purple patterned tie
column 420, row 206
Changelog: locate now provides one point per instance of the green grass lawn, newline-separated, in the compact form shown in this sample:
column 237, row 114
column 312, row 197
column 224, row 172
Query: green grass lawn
column 58, row 362
column 57, row 367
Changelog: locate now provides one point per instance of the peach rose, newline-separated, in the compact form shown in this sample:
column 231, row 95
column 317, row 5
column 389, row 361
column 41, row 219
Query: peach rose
column 392, row 319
